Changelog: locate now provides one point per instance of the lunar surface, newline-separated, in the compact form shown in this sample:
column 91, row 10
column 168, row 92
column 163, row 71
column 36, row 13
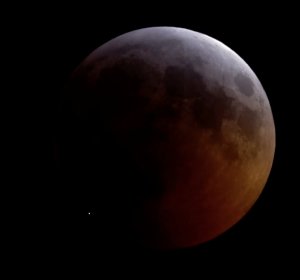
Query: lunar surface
column 173, row 133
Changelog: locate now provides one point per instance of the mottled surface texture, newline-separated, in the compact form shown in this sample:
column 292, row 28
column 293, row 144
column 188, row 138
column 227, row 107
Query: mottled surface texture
column 187, row 124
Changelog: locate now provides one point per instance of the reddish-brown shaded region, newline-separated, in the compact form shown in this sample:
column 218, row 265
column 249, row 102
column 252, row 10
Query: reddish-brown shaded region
column 183, row 121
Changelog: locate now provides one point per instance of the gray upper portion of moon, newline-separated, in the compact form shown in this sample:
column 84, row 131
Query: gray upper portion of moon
column 185, row 48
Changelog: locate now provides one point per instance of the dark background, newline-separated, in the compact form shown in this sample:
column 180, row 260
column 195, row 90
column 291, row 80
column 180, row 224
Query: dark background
column 57, row 231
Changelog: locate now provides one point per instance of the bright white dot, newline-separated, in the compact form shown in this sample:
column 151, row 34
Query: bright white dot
column 89, row 213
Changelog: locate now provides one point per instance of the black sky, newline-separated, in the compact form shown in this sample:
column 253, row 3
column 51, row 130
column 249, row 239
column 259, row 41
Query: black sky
column 54, row 41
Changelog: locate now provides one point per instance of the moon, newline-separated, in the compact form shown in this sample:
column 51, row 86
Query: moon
column 176, row 132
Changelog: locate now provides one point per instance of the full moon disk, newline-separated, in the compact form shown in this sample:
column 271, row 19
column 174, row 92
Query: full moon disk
column 173, row 131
